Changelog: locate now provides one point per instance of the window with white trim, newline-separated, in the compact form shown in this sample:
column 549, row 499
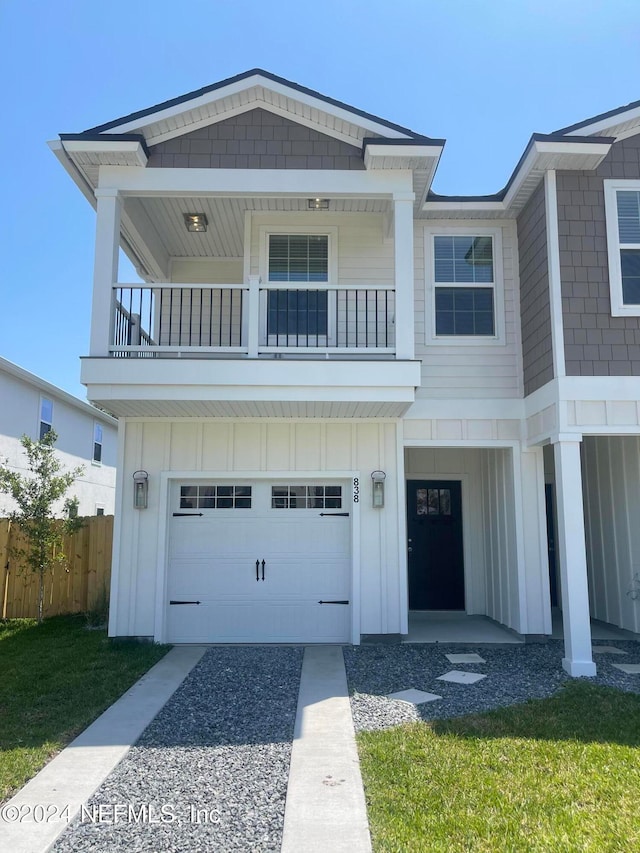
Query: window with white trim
column 298, row 262
column 97, row 443
column 214, row 496
column 622, row 206
column 306, row 497
column 464, row 284
column 46, row 417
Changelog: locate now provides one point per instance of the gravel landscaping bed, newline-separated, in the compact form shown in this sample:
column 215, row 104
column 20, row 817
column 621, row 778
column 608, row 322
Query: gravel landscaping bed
column 210, row 772
column 514, row 674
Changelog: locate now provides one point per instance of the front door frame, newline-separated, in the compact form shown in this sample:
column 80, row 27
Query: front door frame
column 164, row 504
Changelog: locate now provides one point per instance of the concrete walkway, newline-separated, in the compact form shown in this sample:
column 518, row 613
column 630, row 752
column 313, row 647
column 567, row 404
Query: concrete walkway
column 32, row 820
column 325, row 807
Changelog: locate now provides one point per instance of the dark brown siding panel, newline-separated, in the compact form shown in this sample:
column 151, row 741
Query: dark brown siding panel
column 535, row 311
column 257, row 139
column 595, row 343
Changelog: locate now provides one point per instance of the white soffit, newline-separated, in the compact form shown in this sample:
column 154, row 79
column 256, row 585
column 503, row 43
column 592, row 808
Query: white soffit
column 105, row 152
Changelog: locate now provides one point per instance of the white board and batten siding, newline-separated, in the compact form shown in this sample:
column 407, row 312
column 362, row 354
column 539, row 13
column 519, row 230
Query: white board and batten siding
column 263, row 453
column 490, row 370
column 611, row 491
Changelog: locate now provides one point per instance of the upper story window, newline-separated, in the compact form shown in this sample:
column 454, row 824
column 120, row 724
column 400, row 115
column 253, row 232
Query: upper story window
column 46, row 416
column 464, row 285
column 298, row 257
column 306, row 257
column 97, row 443
column 622, row 205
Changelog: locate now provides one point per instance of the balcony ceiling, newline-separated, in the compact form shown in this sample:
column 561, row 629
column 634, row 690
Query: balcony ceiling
column 224, row 237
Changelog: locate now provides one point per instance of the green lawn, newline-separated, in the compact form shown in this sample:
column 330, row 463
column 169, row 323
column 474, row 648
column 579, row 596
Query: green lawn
column 56, row 678
column 559, row 774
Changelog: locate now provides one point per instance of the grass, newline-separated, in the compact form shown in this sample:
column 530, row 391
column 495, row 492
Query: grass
column 57, row 677
column 558, row 774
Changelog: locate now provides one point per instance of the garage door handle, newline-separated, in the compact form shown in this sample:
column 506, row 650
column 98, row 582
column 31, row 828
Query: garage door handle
column 176, row 514
column 344, row 514
column 257, row 570
column 184, row 602
column 342, row 601
column 263, row 570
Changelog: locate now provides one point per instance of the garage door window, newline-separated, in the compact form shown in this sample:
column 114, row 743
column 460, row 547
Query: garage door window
column 212, row 496
column 306, row 497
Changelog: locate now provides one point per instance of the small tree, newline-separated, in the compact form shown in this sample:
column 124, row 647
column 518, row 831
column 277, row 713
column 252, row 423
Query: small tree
column 36, row 496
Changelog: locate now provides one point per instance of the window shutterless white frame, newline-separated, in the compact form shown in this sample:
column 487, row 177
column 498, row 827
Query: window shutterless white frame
column 331, row 232
column 97, row 442
column 498, row 338
column 46, row 416
column 614, row 246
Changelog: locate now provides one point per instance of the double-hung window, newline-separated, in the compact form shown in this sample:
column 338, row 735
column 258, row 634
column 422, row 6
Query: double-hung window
column 622, row 205
column 299, row 266
column 464, row 283
column 97, row 443
column 46, row 417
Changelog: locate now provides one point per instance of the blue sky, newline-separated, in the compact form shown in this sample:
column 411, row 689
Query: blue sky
column 484, row 74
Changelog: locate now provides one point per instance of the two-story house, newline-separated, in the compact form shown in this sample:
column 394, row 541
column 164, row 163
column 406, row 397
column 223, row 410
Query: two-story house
column 87, row 437
column 340, row 396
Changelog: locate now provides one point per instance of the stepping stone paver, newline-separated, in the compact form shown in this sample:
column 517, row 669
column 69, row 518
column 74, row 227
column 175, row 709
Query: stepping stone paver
column 413, row 696
column 607, row 650
column 629, row 668
column 457, row 676
column 465, row 658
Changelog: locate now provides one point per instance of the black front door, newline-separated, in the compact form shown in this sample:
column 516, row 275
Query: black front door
column 436, row 564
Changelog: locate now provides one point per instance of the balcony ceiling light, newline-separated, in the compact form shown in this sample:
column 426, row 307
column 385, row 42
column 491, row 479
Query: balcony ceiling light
column 318, row 203
column 196, row 222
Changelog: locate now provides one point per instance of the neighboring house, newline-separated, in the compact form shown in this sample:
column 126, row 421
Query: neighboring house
column 87, row 437
column 311, row 314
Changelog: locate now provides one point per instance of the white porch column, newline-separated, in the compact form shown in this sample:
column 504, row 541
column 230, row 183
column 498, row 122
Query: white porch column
column 578, row 657
column 403, row 248
column 105, row 270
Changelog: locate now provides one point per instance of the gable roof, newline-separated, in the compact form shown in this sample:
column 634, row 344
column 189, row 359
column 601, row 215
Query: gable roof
column 612, row 120
column 137, row 118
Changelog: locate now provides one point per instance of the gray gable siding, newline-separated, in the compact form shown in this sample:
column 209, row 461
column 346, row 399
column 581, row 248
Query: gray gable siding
column 535, row 311
column 257, row 139
column 596, row 344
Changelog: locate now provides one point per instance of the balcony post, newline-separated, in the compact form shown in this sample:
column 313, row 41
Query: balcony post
column 403, row 247
column 253, row 316
column 105, row 270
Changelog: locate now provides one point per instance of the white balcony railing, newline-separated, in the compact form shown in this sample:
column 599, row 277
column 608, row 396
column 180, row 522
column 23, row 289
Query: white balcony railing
column 236, row 320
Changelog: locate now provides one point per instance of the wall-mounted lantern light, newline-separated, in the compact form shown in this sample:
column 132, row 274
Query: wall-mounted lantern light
column 140, row 489
column 377, row 479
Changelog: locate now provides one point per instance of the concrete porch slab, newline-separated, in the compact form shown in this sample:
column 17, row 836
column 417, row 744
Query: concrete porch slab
column 454, row 627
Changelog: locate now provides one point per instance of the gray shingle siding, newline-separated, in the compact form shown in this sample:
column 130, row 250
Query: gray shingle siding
column 596, row 344
column 257, row 139
column 535, row 311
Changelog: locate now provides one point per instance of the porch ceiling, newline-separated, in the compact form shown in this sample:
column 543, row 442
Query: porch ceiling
column 224, row 237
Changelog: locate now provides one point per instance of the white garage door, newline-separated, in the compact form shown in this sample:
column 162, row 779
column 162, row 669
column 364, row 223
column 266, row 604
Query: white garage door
column 266, row 562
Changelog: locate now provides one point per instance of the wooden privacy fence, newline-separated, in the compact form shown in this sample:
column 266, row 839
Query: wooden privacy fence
column 73, row 586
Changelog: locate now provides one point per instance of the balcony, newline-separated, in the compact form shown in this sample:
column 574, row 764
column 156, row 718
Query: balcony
column 252, row 349
column 235, row 321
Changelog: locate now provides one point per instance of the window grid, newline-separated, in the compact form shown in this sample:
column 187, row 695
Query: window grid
column 306, row 497
column 463, row 266
column 299, row 257
column 211, row 496
column 628, row 211
column 46, row 417
column 97, row 443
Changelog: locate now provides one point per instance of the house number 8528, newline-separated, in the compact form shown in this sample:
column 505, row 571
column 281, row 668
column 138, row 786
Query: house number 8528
column 356, row 490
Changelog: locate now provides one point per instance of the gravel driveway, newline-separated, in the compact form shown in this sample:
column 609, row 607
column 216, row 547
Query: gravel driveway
column 514, row 674
column 210, row 772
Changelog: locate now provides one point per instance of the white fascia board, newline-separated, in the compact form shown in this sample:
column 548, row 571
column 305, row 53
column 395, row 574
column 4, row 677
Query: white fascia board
column 279, row 88
column 453, row 206
column 428, row 152
column 42, row 385
column 106, row 147
column 606, row 123
column 191, row 379
column 73, row 171
column 255, row 182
